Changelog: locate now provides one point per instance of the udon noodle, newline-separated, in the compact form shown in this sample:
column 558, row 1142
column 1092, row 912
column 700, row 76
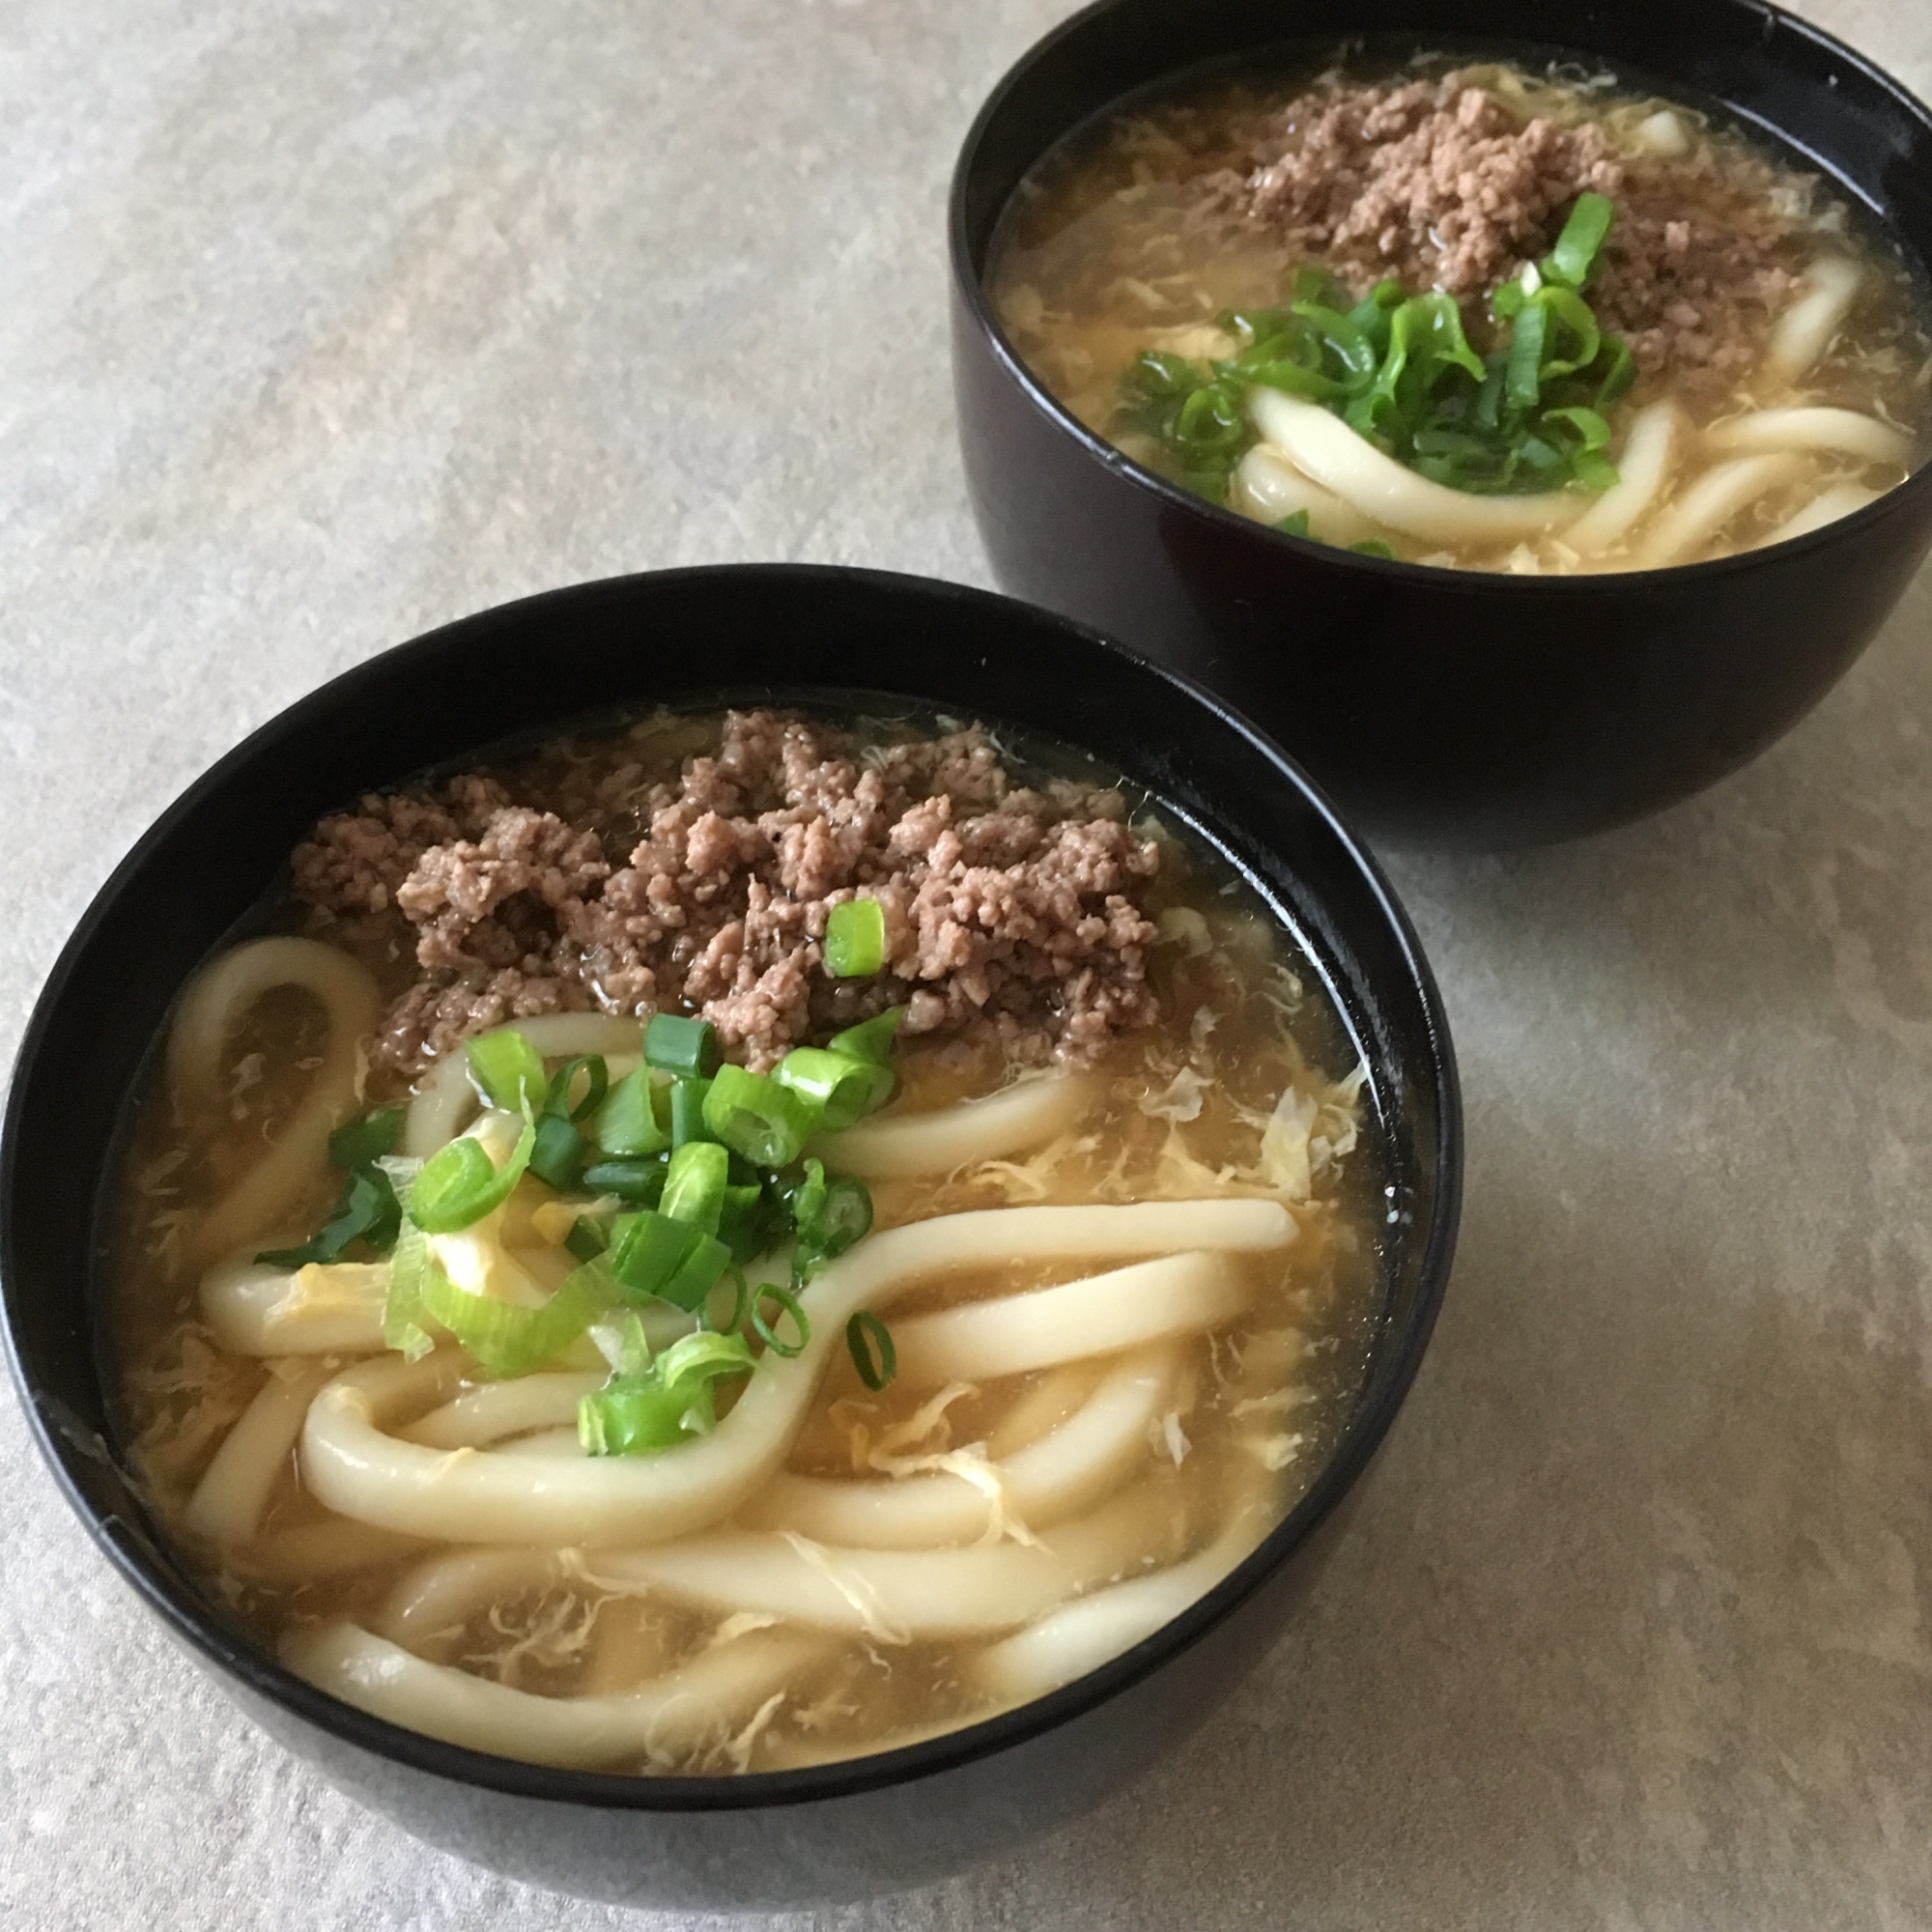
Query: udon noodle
column 1470, row 317
column 1125, row 1283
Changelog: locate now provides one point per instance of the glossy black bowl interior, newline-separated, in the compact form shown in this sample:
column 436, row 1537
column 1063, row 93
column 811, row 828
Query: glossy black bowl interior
column 689, row 637
column 1443, row 707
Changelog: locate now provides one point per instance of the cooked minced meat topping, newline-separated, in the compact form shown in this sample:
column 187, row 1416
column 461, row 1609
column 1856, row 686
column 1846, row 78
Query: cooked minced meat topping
column 1012, row 915
column 1437, row 184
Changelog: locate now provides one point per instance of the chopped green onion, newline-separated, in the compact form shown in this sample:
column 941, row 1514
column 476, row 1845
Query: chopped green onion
column 1575, row 252
column 1294, row 523
column 1374, row 547
column 627, row 1122
column 1569, row 311
column 596, row 1081
column 686, row 1111
column 694, row 1185
column 366, row 1208
column 638, row 1182
column 511, row 1341
column 646, row 1250
column 1157, row 377
column 788, row 1307
column 556, row 1156
column 855, row 931
column 1343, row 341
column 1618, row 370
column 652, row 1254
column 869, row 1343
column 694, row 1277
column 828, row 1215
column 509, row 1069
column 745, row 1224
column 870, row 1039
column 836, row 1088
column 1400, row 370
column 402, row 1305
column 586, row 1239
column 633, row 1418
column 667, row 1403
column 676, row 1044
column 364, row 1142
column 766, row 1119
column 1522, row 379
column 705, row 1354
column 460, row 1184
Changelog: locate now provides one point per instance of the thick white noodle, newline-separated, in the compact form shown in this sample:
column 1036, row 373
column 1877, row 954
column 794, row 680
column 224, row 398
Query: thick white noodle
column 473, row 1495
column 233, row 1491
column 1080, row 1636
column 1844, row 432
column 1066, row 1470
column 1711, row 502
column 699, row 1705
column 1177, row 1295
column 445, row 1591
column 1275, row 488
column 1804, row 330
column 446, row 1098
column 326, row 1308
column 891, row 1595
column 896, row 1147
column 1827, row 507
column 214, row 1005
column 1047, row 1402
column 1325, row 448
column 331, row 1548
column 1641, row 470
column 496, row 1410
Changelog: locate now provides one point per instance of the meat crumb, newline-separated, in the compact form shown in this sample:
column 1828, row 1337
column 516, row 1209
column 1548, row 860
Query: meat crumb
column 1439, row 183
column 1013, row 917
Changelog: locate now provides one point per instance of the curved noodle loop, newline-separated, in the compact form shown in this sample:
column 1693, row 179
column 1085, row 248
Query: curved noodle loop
column 700, row 1705
column 215, row 1006
column 896, row 1147
column 1066, row 1470
column 477, row 1497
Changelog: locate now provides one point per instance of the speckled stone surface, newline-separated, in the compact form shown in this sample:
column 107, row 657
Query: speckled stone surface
column 325, row 322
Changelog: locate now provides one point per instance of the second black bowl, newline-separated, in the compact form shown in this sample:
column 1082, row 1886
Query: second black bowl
column 1443, row 707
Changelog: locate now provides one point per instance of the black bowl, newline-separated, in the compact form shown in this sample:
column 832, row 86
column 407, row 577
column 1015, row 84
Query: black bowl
column 688, row 636
column 1442, row 708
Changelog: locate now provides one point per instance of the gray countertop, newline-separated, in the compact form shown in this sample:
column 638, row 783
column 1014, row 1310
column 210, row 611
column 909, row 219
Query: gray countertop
column 327, row 321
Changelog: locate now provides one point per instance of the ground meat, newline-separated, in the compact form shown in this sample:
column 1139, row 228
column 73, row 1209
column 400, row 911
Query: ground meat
column 355, row 861
column 1011, row 916
column 1439, row 184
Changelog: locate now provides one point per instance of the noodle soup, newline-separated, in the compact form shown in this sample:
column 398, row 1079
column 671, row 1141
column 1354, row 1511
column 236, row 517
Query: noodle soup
column 1471, row 317
column 595, row 1291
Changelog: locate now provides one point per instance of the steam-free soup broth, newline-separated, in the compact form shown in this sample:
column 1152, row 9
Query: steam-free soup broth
column 566, row 1312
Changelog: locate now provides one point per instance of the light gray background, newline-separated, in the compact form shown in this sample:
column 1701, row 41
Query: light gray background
column 325, row 322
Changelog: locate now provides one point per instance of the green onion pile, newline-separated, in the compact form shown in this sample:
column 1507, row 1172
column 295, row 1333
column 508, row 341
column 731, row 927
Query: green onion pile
column 694, row 1167
column 1527, row 416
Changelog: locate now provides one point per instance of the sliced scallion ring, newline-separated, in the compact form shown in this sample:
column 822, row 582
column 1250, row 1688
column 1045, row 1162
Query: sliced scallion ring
column 855, row 931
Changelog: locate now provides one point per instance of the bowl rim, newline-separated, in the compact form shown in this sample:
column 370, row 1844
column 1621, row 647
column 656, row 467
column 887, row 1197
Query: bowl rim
column 969, row 290
column 257, row 1671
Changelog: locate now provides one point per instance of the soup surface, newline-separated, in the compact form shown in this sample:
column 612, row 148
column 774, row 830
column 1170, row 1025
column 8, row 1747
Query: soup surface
column 1469, row 316
column 471, row 1453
